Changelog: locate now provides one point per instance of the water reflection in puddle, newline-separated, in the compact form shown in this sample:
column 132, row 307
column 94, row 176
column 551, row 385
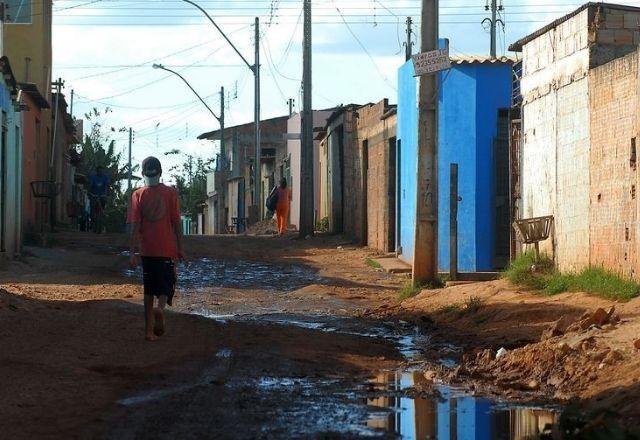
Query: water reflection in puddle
column 240, row 274
column 451, row 416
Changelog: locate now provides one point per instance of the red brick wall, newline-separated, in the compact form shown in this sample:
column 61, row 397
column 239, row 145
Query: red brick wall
column 613, row 222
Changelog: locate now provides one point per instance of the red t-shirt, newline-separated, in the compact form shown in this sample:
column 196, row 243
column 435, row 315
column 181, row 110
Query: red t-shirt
column 156, row 209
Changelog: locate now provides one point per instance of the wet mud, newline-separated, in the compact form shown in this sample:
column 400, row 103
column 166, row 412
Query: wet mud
column 230, row 400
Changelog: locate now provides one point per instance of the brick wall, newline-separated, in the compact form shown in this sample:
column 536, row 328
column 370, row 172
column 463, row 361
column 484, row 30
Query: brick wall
column 613, row 217
column 555, row 150
column 352, row 177
column 572, row 184
column 377, row 215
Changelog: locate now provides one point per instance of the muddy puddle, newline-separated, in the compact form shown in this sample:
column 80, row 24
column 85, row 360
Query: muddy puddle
column 405, row 337
column 205, row 273
column 447, row 413
column 394, row 404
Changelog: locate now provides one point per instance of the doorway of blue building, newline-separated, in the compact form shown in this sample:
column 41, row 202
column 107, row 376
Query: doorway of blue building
column 502, row 206
column 391, row 195
column 398, row 197
column 3, row 184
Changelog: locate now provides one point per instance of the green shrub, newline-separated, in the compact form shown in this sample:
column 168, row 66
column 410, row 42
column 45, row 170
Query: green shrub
column 323, row 225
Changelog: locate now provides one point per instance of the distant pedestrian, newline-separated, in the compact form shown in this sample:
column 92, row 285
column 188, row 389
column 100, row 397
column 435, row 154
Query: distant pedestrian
column 282, row 208
column 156, row 229
column 99, row 185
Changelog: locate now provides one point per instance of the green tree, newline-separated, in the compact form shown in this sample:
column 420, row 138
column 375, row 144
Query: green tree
column 191, row 182
column 98, row 149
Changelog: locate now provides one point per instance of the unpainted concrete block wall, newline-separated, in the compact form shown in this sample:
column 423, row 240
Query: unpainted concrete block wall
column 352, row 175
column 555, row 152
column 572, row 200
column 379, row 208
column 613, row 95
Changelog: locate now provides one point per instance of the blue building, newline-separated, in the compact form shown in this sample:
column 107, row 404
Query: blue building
column 474, row 101
column 10, row 164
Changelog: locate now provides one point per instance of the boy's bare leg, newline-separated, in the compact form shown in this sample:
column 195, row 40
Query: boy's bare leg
column 158, row 328
column 148, row 318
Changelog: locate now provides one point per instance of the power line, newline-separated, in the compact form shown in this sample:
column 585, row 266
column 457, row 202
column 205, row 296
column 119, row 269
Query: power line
column 384, row 78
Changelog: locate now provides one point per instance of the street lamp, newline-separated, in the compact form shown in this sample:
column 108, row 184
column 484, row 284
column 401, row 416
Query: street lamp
column 220, row 118
column 255, row 68
column 160, row 66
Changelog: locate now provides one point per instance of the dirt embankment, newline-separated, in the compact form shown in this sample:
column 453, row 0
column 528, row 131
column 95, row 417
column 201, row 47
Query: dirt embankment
column 563, row 347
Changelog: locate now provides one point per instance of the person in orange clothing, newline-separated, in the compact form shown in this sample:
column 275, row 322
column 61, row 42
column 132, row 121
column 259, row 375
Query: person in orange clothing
column 282, row 208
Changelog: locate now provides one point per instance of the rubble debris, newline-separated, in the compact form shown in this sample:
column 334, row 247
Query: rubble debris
column 552, row 331
column 501, row 352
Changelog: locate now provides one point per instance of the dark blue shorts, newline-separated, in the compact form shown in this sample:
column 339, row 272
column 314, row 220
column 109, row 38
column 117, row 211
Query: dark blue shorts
column 159, row 277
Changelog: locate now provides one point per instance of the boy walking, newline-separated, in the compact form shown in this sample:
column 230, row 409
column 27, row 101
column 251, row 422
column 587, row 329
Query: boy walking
column 156, row 229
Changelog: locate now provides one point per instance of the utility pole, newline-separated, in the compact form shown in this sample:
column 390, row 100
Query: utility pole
column 257, row 204
column 290, row 102
column 58, row 86
column 408, row 51
column 255, row 68
column 129, row 167
column 425, row 252
column 493, row 24
column 223, row 153
column 224, row 169
column 52, row 171
column 306, row 173
column 71, row 105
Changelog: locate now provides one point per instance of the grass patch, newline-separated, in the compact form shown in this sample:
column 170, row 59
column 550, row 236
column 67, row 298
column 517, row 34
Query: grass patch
column 545, row 278
column 451, row 308
column 371, row 263
column 473, row 304
column 410, row 289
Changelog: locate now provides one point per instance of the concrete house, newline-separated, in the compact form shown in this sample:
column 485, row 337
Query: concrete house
column 230, row 186
column 357, row 174
column 578, row 135
column 474, row 103
column 35, row 155
column 336, row 193
column 10, row 165
column 62, row 170
column 292, row 164
column 27, row 34
column 376, row 136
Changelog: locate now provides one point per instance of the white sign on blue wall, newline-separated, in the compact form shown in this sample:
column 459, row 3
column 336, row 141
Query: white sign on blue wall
column 431, row 62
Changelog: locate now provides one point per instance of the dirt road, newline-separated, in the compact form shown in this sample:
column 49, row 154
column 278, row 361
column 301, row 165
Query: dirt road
column 269, row 338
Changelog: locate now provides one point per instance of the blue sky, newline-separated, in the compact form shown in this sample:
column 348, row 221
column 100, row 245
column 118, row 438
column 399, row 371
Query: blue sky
column 104, row 50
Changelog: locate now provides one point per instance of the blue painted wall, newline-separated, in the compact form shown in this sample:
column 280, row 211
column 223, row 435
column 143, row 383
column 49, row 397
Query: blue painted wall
column 13, row 180
column 407, row 135
column 469, row 99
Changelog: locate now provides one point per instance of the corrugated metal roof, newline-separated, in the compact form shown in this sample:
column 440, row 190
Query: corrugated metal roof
column 482, row 59
column 517, row 46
